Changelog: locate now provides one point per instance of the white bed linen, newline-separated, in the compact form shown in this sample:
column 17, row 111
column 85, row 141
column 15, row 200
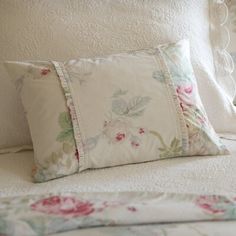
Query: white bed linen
column 216, row 174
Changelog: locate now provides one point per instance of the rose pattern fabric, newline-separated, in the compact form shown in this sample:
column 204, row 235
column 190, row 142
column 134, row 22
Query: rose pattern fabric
column 45, row 71
column 200, row 132
column 116, row 130
column 196, row 121
column 65, row 206
column 60, row 162
column 145, row 213
column 120, row 129
column 217, row 205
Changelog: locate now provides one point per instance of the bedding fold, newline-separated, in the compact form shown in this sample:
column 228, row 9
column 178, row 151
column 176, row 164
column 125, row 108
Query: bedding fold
column 59, row 212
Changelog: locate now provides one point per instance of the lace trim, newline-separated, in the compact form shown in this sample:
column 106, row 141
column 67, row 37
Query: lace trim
column 220, row 39
column 170, row 85
column 64, row 78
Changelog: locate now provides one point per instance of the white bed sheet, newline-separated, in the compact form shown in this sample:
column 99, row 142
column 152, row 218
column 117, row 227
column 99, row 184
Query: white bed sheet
column 210, row 175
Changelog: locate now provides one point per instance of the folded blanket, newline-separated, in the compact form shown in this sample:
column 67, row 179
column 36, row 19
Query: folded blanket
column 125, row 211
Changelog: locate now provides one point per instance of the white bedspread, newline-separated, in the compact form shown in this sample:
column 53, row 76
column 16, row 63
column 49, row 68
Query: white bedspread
column 209, row 175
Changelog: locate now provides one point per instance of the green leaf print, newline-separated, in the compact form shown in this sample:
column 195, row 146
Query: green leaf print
column 133, row 108
column 65, row 120
column 67, row 148
column 119, row 107
column 58, row 158
column 66, row 134
column 136, row 114
column 159, row 76
column 136, row 105
column 61, row 158
column 119, row 92
column 175, row 149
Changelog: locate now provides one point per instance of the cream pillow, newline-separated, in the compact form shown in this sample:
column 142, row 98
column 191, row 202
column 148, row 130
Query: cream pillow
column 60, row 30
column 125, row 108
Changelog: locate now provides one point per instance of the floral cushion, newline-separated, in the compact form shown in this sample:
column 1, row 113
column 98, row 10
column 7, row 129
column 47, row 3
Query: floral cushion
column 119, row 109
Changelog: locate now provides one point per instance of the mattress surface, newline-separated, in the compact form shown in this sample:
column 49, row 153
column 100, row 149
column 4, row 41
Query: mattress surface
column 209, row 175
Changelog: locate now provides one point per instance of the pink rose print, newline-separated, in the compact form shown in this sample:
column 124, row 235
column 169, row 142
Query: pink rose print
column 63, row 206
column 141, row 131
column 188, row 89
column 120, row 136
column 132, row 209
column 116, row 130
column 135, row 140
column 45, row 71
column 135, row 144
column 184, row 95
column 216, row 205
column 182, row 89
column 186, row 101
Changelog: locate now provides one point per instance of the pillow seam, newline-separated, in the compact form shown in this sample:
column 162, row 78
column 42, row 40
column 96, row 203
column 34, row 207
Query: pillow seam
column 64, row 81
column 171, row 88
